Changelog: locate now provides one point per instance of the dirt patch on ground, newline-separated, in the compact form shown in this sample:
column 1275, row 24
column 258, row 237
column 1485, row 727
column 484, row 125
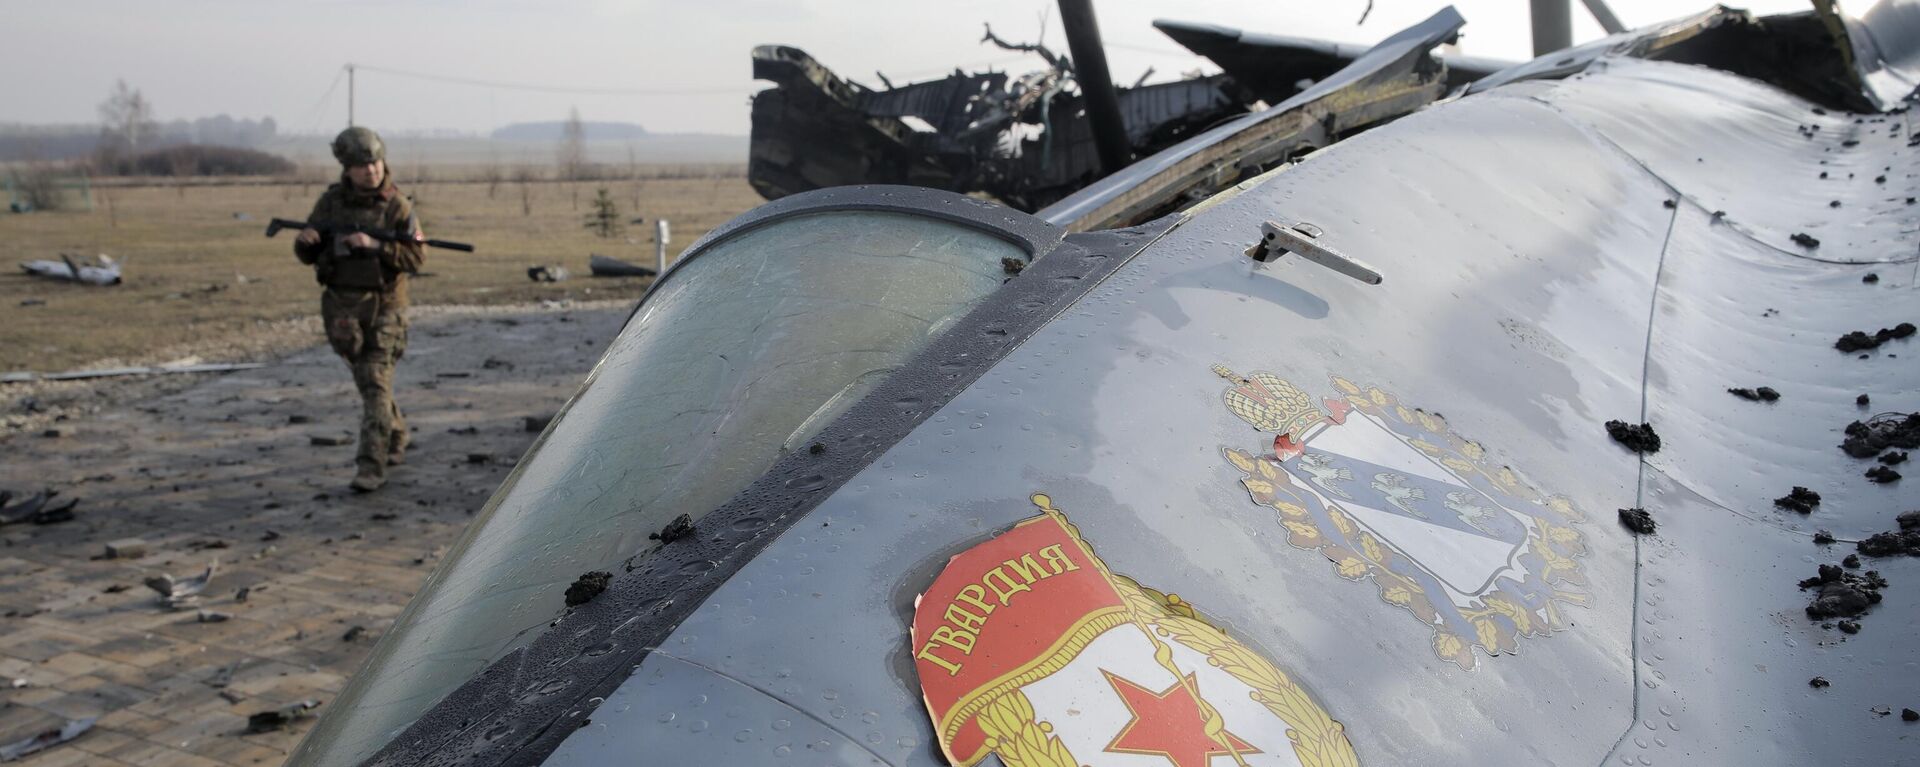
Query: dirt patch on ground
column 170, row 478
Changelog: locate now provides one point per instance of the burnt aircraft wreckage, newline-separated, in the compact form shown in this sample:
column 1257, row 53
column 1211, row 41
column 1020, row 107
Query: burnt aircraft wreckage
column 1280, row 445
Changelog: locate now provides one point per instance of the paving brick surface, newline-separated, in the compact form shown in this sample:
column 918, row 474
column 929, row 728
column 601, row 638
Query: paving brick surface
column 218, row 472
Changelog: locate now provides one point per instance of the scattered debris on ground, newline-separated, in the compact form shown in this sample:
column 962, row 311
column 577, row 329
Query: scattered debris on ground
column 680, row 527
column 354, row 633
column 1637, row 520
column 38, row 509
column 534, row 424
column 1865, row 439
column 102, row 271
column 1859, row 341
column 588, row 586
column 608, row 266
column 1762, row 394
column 1638, row 438
column 182, row 593
column 45, row 739
column 213, row 616
column 1842, row 594
column 279, row 718
column 1799, row 499
column 330, row 440
column 1883, row 474
column 545, row 273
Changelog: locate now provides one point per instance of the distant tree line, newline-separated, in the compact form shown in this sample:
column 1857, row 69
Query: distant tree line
column 129, row 141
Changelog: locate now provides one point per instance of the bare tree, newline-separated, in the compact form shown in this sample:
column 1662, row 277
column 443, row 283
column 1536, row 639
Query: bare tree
column 491, row 174
column 127, row 119
column 573, row 147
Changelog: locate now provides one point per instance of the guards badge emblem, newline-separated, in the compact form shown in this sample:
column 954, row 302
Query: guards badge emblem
column 1392, row 494
column 1028, row 647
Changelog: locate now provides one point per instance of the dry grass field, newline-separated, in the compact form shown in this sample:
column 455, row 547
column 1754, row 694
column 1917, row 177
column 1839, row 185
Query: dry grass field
column 199, row 272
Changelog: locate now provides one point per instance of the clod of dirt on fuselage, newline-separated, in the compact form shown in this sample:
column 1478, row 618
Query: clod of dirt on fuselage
column 1637, row 520
column 1842, row 594
column 1799, row 499
column 1639, row 438
column 588, row 586
column 1865, row 439
column 680, row 527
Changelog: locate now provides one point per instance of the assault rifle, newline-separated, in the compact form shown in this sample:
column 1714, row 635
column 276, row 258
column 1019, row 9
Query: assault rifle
column 383, row 235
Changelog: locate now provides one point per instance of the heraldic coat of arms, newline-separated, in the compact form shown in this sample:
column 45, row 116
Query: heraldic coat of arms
column 1029, row 648
column 1392, row 494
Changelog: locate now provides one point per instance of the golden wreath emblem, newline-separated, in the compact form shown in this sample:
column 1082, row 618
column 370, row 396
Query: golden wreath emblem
column 1392, row 494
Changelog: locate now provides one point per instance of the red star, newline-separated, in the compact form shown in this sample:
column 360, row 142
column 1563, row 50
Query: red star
column 1167, row 723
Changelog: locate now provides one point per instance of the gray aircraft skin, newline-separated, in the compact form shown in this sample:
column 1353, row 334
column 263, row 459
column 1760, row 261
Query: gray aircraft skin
column 1401, row 495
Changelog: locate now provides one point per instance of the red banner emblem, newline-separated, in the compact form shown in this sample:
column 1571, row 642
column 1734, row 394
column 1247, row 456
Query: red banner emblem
column 1028, row 647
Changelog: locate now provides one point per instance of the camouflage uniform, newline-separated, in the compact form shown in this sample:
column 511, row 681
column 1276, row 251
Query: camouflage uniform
column 364, row 309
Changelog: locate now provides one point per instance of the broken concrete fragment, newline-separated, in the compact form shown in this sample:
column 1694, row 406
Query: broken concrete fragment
column 1637, row 520
column 1799, row 499
column 1638, row 438
column 588, row 586
column 126, row 548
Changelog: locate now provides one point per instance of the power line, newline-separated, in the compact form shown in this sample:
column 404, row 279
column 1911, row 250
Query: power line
column 716, row 90
column 318, row 111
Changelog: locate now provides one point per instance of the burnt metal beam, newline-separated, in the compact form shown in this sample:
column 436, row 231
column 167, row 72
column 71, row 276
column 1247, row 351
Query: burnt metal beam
column 1090, row 70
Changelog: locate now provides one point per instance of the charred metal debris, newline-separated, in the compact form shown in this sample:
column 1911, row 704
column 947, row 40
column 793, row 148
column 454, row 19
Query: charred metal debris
column 1025, row 140
column 1028, row 140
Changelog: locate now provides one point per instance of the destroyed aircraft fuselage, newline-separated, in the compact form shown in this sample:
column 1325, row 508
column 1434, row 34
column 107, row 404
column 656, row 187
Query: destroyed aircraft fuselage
column 1023, row 140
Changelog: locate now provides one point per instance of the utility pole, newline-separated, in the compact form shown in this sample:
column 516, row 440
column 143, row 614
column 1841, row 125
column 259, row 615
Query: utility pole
column 349, row 95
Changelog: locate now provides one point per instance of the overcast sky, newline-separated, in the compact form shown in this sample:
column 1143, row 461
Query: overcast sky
column 284, row 58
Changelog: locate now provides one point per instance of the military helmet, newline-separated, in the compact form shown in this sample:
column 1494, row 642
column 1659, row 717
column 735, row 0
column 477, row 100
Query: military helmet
column 358, row 146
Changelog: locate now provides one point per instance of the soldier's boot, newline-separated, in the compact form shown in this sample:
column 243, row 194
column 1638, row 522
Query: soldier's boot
column 371, row 476
column 398, row 439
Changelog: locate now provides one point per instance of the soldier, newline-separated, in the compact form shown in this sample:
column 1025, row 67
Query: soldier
column 364, row 304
